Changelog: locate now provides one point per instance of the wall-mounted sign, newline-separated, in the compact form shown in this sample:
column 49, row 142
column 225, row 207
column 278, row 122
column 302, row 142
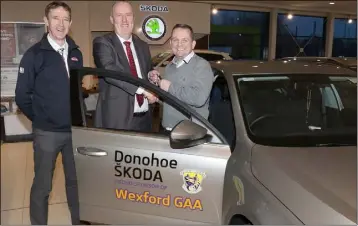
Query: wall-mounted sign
column 154, row 28
column 153, row 8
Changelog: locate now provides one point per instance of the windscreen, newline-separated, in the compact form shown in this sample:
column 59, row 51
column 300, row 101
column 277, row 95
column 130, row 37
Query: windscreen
column 299, row 110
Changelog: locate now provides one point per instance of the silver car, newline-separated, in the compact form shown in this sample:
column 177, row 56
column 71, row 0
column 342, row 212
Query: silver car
column 346, row 62
column 279, row 147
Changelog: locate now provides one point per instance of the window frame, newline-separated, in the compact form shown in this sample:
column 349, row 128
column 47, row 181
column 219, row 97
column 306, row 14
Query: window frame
column 78, row 104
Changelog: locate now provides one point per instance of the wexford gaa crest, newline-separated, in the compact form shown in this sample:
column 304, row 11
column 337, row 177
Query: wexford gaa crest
column 192, row 181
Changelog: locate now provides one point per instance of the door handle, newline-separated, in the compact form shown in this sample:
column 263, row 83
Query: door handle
column 93, row 152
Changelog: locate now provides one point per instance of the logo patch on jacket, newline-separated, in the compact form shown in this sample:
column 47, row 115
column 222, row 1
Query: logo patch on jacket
column 74, row 59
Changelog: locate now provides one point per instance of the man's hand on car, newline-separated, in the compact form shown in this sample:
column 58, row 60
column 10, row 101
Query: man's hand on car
column 154, row 77
column 89, row 82
column 151, row 97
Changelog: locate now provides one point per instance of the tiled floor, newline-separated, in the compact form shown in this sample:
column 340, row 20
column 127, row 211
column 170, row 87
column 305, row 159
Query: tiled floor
column 16, row 180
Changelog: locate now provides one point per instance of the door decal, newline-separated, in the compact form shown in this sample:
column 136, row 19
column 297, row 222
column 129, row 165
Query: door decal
column 167, row 200
column 239, row 186
column 192, row 181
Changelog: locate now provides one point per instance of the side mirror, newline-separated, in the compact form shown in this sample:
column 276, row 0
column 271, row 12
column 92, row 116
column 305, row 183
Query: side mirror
column 188, row 134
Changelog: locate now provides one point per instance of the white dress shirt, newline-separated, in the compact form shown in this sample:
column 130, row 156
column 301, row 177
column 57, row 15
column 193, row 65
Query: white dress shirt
column 145, row 105
column 56, row 47
column 185, row 60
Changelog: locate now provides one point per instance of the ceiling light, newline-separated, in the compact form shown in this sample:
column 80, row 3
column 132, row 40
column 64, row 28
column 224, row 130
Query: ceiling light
column 255, row 66
column 350, row 21
column 289, row 16
column 215, row 11
column 285, row 61
column 331, row 3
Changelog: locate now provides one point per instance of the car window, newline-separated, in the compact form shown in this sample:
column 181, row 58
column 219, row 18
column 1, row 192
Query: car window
column 211, row 56
column 282, row 110
column 159, row 58
column 220, row 110
column 85, row 117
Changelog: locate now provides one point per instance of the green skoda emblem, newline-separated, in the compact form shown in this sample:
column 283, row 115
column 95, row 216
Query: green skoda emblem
column 154, row 28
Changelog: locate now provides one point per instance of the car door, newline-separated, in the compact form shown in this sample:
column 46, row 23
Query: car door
column 128, row 177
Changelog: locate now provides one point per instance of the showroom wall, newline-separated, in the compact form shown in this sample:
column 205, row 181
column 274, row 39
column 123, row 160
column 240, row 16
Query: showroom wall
column 91, row 17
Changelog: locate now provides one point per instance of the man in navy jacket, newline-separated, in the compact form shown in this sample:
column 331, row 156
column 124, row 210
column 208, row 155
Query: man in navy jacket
column 43, row 95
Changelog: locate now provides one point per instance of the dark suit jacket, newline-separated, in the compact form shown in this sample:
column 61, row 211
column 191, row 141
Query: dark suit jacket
column 115, row 106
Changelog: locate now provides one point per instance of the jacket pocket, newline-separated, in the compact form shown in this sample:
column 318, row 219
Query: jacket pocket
column 58, row 114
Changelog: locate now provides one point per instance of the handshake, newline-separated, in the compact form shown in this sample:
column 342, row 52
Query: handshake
column 154, row 78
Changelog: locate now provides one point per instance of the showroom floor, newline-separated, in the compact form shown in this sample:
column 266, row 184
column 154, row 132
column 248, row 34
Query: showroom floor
column 16, row 180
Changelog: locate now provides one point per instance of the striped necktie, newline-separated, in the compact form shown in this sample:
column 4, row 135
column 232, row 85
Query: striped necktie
column 140, row 97
column 61, row 51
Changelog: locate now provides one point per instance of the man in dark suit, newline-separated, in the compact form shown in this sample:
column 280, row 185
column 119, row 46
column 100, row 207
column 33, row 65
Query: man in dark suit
column 122, row 105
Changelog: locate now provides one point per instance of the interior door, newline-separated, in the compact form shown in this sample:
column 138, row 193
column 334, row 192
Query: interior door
column 126, row 177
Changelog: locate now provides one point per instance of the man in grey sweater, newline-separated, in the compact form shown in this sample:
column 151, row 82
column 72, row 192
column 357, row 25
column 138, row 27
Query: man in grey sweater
column 188, row 77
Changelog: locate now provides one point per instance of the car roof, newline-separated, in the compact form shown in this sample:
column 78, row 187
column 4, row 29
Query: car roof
column 349, row 61
column 277, row 67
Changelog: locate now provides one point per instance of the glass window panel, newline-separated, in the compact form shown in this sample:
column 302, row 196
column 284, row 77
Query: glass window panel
column 242, row 34
column 300, row 36
column 344, row 38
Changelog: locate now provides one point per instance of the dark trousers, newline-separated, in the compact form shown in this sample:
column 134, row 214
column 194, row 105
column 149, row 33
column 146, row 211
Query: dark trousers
column 142, row 122
column 47, row 146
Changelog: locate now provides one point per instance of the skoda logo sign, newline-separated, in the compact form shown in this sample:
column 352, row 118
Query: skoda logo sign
column 154, row 28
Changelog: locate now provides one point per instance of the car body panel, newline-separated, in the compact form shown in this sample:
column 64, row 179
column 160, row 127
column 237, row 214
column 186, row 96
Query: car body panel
column 320, row 176
column 347, row 62
column 253, row 200
column 231, row 68
column 102, row 185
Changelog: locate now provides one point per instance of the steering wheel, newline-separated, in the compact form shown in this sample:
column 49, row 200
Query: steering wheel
column 265, row 116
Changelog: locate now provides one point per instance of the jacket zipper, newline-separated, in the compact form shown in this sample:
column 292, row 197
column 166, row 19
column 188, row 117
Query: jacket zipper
column 64, row 63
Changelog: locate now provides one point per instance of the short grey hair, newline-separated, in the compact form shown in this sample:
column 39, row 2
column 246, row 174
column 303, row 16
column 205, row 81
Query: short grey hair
column 116, row 2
